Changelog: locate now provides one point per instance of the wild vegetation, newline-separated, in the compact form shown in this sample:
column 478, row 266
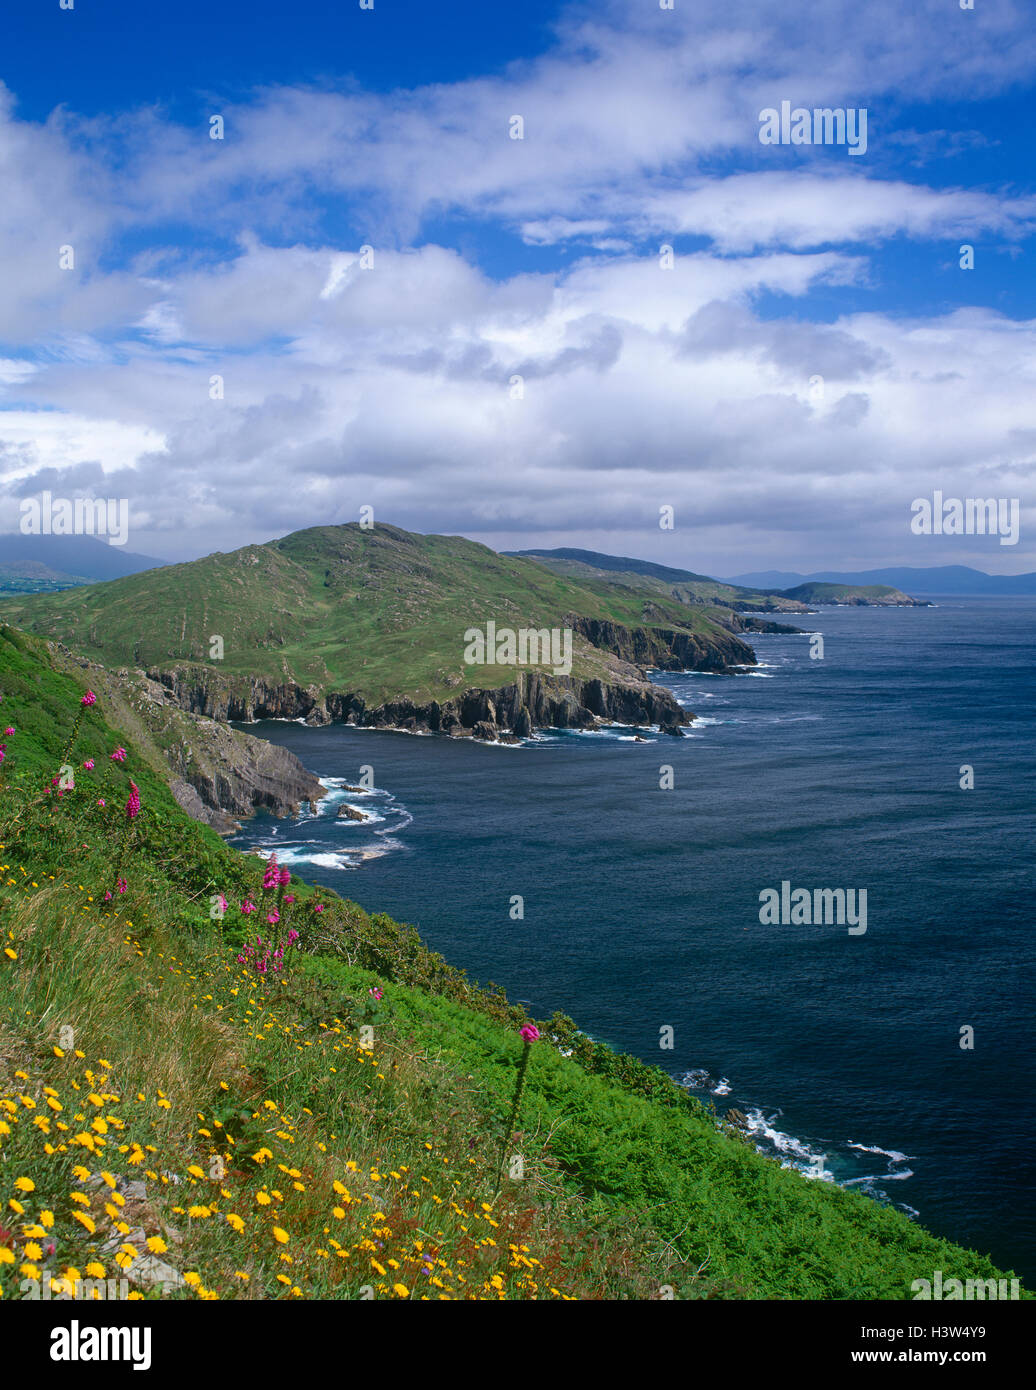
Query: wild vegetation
column 217, row 1081
column 379, row 613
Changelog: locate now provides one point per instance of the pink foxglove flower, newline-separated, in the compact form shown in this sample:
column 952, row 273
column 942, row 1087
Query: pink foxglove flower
column 89, row 765
column 271, row 875
column 133, row 804
column 530, row 1032
column 119, row 756
column 89, row 698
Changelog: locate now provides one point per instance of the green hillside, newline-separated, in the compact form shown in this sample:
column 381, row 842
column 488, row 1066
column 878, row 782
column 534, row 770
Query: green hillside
column 594, row 569
column 380, row 613
column 32, row 577
column 589, row 567
column 818, row 592
column 174, row 1114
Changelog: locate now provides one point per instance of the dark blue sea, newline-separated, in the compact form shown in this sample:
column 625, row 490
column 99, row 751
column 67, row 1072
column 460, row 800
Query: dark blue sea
column 642, row 904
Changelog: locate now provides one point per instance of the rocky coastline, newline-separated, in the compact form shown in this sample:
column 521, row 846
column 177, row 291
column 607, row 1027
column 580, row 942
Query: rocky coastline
column 510, row 712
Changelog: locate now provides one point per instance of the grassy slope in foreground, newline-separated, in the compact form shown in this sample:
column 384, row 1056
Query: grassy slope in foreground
column 378, row 613
column 288, row 1138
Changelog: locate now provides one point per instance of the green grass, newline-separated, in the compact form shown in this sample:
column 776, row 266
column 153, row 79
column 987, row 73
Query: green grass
column 377, row 613
column 258, row 1095
column 818, row 592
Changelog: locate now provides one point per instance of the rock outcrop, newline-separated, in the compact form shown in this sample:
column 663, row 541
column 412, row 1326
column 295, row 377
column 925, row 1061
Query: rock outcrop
column 664, row 648
column 217, row 774
column 534, row 700
column 514, row 711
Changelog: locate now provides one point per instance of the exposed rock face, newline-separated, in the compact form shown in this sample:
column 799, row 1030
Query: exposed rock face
column 234, row 774
column 540, row 701
column 742, row 622
column 663, row 648
column 535, row 700
column 216, row 773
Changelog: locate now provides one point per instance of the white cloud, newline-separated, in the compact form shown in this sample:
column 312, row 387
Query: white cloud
column 642, row 385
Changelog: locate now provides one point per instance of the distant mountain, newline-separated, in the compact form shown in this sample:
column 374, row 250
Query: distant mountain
column 590, row 566
column 594, row 568
column 39, row 563
column 938, row 579
column 623, row 564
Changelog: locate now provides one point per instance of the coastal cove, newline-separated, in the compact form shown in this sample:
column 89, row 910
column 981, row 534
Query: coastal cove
column 641, row 905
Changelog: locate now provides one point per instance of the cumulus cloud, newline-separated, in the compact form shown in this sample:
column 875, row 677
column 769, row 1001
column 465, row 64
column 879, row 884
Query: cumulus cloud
column 256, row 373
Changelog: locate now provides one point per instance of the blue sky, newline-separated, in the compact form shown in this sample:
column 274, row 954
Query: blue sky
column 813, row 359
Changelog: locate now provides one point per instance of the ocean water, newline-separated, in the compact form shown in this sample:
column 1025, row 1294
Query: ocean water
column 641, row 905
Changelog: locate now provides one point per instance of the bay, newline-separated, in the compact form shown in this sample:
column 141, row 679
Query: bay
column 641, row 905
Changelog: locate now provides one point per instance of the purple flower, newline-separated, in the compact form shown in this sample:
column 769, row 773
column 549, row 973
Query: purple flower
column 530, row 1032
column 119, row 756
column 375, row 992
column 89, row 765
column 89, row 698
column 133, row 804
column 271, row 875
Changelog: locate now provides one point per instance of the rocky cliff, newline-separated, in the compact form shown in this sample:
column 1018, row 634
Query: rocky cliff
column 217, row 774
column 515, row 710
column 533, row 700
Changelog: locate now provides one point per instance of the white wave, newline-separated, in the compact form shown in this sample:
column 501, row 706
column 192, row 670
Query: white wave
column 326, row 860
column 369, row 818
column 882, row 1177
column 696, row 1079
column 872, row 1149
column 762, row 1127
column 699, row 1079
